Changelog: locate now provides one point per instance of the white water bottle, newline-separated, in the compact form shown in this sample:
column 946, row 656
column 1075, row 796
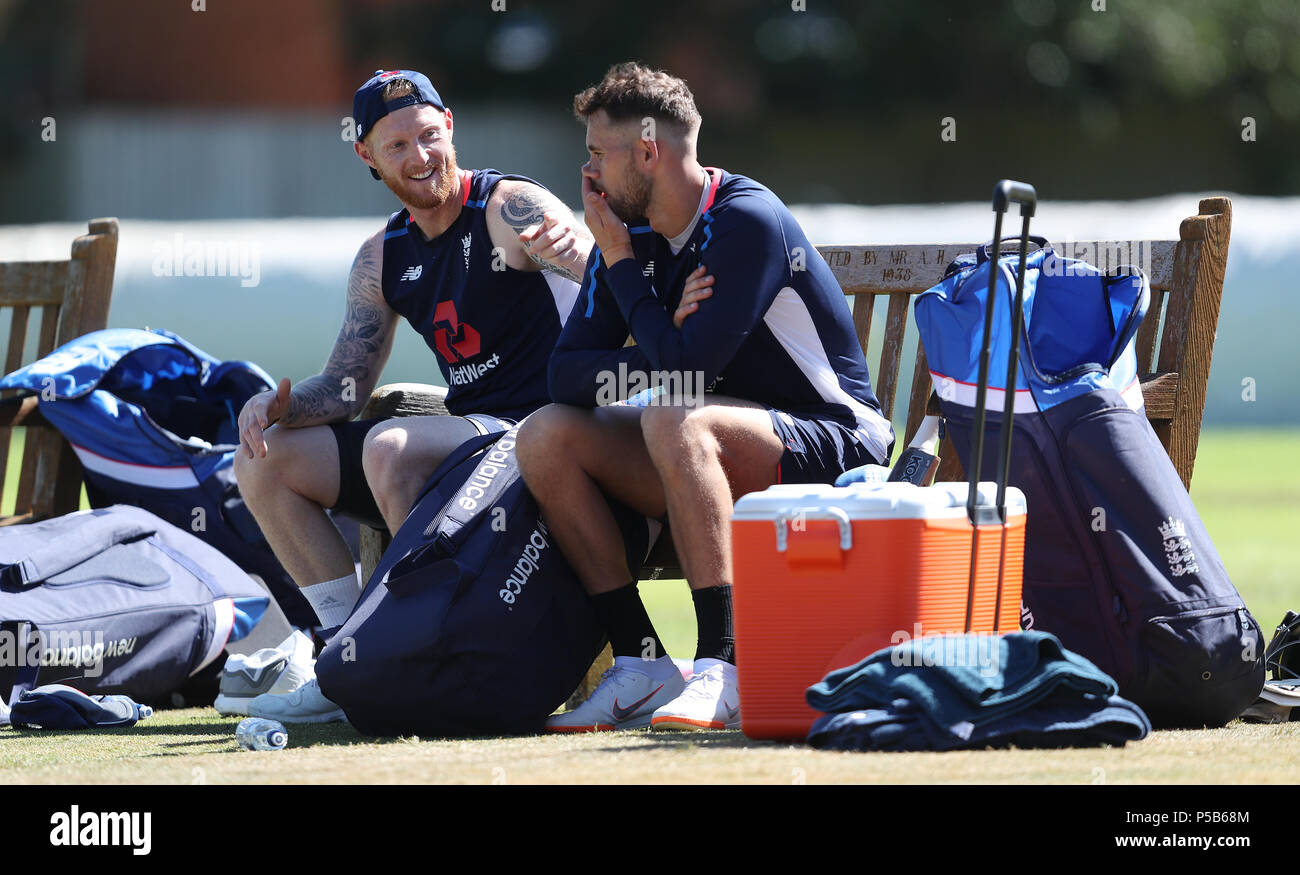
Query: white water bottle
column 257, row 733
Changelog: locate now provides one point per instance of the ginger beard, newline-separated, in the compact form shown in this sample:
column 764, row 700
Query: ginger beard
column 416, row 193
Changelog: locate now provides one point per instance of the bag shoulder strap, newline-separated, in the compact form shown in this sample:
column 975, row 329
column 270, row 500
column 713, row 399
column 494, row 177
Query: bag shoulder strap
column 452, row 525
column 71, row 548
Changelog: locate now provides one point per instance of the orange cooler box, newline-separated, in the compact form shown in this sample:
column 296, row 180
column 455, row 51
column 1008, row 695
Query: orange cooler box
column 826, row 576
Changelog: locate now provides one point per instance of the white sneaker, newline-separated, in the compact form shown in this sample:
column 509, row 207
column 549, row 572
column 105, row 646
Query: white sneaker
column 625, row 699
column 307, row 704
column 280, row 669
column 711, row 700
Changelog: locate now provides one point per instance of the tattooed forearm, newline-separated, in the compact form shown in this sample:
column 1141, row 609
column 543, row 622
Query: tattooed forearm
column 315, row 401
column 556, row 268
column 526, row 206
column 353, row 367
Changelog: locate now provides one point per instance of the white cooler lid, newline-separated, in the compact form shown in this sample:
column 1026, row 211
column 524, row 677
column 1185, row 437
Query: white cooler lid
column 872, row 501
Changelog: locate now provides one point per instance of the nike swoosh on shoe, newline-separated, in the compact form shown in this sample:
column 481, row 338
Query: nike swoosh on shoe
column 622, row 714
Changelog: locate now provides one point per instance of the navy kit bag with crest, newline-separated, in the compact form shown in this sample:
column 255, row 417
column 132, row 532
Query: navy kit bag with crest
column 152, row 419
column 116, row 601
column 1118, row 564
column 473, row 622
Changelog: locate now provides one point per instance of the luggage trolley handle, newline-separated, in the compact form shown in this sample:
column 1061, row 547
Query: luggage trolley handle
column 796, row 515
column 1005, row 192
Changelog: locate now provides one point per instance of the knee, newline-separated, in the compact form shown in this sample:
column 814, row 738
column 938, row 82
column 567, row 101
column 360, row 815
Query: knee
column 259, row 473
column 382, row 457
column 669, row 432
column 544, row 437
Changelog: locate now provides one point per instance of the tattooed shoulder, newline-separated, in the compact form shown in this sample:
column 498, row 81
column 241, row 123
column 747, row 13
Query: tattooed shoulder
column 523, row 205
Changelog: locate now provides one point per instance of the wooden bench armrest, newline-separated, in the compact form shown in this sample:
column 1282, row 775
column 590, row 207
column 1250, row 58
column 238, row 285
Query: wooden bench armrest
column 406, row 399
column 1159, row 392
column 396, row 399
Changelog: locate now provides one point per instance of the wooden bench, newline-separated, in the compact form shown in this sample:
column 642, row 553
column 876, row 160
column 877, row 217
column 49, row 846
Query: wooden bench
column 71, row 298
column 1186, row 277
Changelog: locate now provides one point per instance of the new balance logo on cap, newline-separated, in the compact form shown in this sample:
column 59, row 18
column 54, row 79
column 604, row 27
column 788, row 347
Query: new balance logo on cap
column 413, row 273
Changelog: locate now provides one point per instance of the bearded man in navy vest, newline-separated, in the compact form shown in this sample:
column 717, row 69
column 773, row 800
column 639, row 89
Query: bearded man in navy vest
column 485, row 266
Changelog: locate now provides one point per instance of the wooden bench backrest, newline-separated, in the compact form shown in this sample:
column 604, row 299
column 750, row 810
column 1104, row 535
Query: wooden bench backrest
column 71, row 298
column 1186, row 288
column 1186, row 278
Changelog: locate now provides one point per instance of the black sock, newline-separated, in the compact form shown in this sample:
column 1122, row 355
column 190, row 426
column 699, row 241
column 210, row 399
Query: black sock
column 626, row 623
column 713, row 619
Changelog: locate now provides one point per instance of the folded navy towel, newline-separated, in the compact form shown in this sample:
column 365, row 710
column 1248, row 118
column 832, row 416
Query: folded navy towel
column 962, row 682
column 1062, row 719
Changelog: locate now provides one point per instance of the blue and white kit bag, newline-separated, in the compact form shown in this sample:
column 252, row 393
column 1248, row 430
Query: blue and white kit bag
column 1118, row 564
column 116, row 601
column 152, row 418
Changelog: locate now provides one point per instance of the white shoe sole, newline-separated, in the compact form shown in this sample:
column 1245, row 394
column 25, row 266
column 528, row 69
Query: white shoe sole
column 336, row 716
column 228, row 706
column 690, row 724
column 642, row 722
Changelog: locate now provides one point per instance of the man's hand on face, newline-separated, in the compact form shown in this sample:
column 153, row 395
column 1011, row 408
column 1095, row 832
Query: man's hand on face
column 698, row 287
column 610, row 234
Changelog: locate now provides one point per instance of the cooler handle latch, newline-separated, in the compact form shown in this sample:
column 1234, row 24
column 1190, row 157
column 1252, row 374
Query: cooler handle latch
column 795, row 517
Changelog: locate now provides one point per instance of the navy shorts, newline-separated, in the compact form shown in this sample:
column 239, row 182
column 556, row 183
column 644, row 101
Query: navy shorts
column 817, row 449
column 355, row 498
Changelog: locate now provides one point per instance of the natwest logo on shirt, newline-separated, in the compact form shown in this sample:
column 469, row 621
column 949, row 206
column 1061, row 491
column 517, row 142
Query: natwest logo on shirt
column 462, row 375
column 455, row 341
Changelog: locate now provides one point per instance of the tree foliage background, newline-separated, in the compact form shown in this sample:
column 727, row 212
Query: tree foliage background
column 838, row 101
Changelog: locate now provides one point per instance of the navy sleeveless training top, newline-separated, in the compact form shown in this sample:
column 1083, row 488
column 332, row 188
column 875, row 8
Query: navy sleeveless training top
column 491, row 327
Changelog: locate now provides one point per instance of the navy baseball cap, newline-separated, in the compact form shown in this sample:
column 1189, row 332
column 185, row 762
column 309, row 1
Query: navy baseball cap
column 368, row 105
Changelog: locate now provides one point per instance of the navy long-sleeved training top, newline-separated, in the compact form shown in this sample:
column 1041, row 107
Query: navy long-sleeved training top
column 777, row 329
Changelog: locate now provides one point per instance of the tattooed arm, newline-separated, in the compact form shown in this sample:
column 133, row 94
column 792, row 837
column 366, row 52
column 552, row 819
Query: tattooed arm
column 344, row 385
column 535, row 231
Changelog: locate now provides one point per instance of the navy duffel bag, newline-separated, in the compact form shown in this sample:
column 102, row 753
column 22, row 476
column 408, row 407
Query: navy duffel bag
column 473, row 622
column 1118, row 564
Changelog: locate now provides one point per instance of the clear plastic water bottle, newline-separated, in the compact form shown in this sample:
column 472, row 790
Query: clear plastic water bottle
column 257, row 733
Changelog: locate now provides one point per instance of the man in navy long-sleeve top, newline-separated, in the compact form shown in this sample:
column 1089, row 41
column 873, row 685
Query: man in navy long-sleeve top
column 752, row 375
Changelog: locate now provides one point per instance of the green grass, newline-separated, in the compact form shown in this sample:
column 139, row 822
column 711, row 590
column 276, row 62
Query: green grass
column 1252, row 511
column 10, row 493
column 1248, row 494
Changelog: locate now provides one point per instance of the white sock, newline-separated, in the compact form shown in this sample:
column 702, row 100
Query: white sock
column 659, row 669
column 333, row 600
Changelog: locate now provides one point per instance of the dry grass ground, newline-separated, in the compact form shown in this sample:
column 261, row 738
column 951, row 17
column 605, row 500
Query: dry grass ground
column 1252, row 516
column 197, row 746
